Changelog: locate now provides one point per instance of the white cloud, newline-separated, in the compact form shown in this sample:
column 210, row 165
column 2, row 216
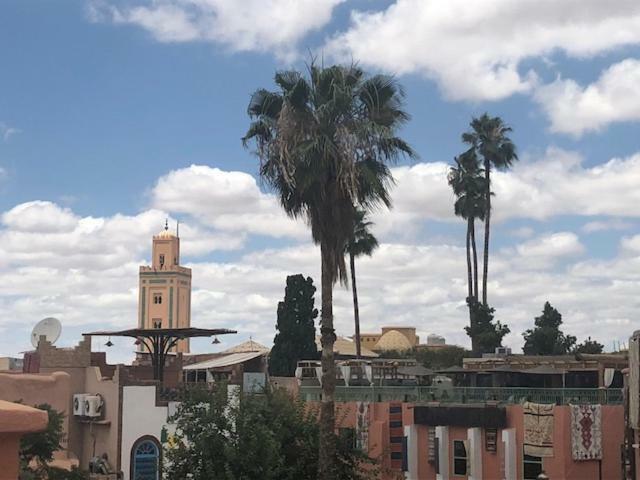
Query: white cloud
column 554, row 184
column 7, row 131
column 248, row 25
column 553, row 245
column 474, row 50
column 614, row 97
column 614, row 224
column 228, row 201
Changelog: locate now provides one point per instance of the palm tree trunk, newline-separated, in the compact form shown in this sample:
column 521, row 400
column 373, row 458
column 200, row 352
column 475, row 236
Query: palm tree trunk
column 475, row 259
column 356, row 310
column 470, row 281
column 327, row 441
column 469, row 271
column 487, row 229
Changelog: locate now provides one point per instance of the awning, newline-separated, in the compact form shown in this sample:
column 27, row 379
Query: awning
column 225, row 361
column 461, row 416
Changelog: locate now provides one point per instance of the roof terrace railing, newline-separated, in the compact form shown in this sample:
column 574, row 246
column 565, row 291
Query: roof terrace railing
column 504, row 395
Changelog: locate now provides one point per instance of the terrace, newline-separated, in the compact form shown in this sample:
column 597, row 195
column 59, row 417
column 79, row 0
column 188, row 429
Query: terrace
column 470, row 395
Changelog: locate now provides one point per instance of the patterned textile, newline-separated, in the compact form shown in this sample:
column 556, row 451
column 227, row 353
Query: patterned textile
column 538, row 429
column 586, row 432
column 362, row 426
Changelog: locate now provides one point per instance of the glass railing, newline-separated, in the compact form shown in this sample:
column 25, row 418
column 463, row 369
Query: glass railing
column 505, row 395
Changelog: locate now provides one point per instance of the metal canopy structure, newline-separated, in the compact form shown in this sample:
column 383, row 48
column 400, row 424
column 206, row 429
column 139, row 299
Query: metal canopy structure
column 159, row 341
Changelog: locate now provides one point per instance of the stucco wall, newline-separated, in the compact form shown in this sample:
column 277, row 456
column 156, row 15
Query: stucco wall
column 104, row 432
column 34, row 389
column 140, row 417
column 15, row 421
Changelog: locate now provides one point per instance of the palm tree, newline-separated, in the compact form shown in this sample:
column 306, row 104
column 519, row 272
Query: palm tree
column 467, row 180
column 362, row 242
column 324, row 142
column 488, row 138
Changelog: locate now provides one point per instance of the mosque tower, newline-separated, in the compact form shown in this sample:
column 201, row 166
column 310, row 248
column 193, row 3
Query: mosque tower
column 165, row 288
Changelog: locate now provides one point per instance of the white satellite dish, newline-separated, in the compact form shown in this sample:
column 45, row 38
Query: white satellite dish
column 48, row 327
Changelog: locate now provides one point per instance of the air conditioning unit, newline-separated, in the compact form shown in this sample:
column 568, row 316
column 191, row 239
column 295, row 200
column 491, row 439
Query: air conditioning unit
column 79, row 404
column 93, row 406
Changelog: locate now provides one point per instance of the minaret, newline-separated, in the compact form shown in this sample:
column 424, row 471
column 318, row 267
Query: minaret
column 165, row 288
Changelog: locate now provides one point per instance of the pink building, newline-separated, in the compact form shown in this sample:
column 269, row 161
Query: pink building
column 455, row 441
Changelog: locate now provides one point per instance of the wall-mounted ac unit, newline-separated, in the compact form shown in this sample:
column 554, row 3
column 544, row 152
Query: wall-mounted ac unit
column 79, row 404
column 93, row 406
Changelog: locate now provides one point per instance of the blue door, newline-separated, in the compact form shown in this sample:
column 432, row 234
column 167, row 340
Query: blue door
column 146, row 459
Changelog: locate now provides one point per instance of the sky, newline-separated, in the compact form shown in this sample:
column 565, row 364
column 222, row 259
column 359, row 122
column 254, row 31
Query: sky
column 118, row 114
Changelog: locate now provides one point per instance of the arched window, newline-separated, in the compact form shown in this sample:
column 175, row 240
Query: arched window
column 146, row 459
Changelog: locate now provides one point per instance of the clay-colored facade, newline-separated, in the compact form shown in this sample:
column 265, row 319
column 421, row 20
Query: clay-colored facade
column 15, row 421
column 165, row 288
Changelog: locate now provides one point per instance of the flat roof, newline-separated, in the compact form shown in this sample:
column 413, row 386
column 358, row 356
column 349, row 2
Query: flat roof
column 225, row 361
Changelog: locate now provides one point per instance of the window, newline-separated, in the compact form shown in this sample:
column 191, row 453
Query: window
column 161, row 260
column 157, row 298
column 459, row 458
column 532, row 467
column 157, row 323
column 145, row 459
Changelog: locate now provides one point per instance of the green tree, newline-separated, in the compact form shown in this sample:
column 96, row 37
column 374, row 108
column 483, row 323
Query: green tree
column 488, row 139
column 546, row 338
column 324, row 144
column 485, row 334
column 362, row 242
column 296, row 337
column 268, row 436
column 449, row 356
column 37, row 449
column 589, row 346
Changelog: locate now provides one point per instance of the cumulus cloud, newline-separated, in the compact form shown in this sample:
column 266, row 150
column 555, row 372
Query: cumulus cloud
column 475, row 50
column 228, row 201
column 248, row 25
column 612, row 98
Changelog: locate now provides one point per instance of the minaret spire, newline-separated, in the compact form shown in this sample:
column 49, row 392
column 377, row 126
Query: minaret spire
column 166, row 224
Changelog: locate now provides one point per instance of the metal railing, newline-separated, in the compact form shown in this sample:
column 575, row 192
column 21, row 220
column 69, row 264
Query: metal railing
column 504, row 395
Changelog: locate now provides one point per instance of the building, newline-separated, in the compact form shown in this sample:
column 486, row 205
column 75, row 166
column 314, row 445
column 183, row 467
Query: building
column 390, row 338
column 15, row 421
column 165, row 288
column 442, row 432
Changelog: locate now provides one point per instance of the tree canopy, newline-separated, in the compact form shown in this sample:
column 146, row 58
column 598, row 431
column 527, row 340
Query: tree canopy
column 268, row 436
column 37, row 449
column 486, row 334
column 295, row 339
column 546, row 338
column 589, row 346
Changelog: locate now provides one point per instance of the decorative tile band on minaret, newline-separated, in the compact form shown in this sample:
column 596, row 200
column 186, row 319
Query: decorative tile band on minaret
column 165, row 288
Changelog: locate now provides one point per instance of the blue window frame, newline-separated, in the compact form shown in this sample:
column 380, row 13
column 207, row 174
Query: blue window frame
column 145, row 459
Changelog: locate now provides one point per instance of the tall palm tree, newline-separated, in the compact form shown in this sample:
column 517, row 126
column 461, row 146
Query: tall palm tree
column 324, row 142
column 489, row 139
column 362, row 242
column 467, row 181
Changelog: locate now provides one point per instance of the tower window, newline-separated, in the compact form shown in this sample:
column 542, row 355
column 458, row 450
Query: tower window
column 161, row 260
column 157, row 323
column 157, row 298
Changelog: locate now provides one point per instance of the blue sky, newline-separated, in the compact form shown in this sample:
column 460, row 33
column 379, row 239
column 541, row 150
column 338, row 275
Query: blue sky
column 116, row 114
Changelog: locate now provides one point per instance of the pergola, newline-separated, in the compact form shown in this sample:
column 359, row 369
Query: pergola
column 158, row 341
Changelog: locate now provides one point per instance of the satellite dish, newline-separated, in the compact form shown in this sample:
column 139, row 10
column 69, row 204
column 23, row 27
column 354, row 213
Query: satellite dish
column 48, row 327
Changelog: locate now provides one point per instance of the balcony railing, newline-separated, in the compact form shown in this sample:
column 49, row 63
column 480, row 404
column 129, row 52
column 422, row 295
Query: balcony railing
column 504, row 395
